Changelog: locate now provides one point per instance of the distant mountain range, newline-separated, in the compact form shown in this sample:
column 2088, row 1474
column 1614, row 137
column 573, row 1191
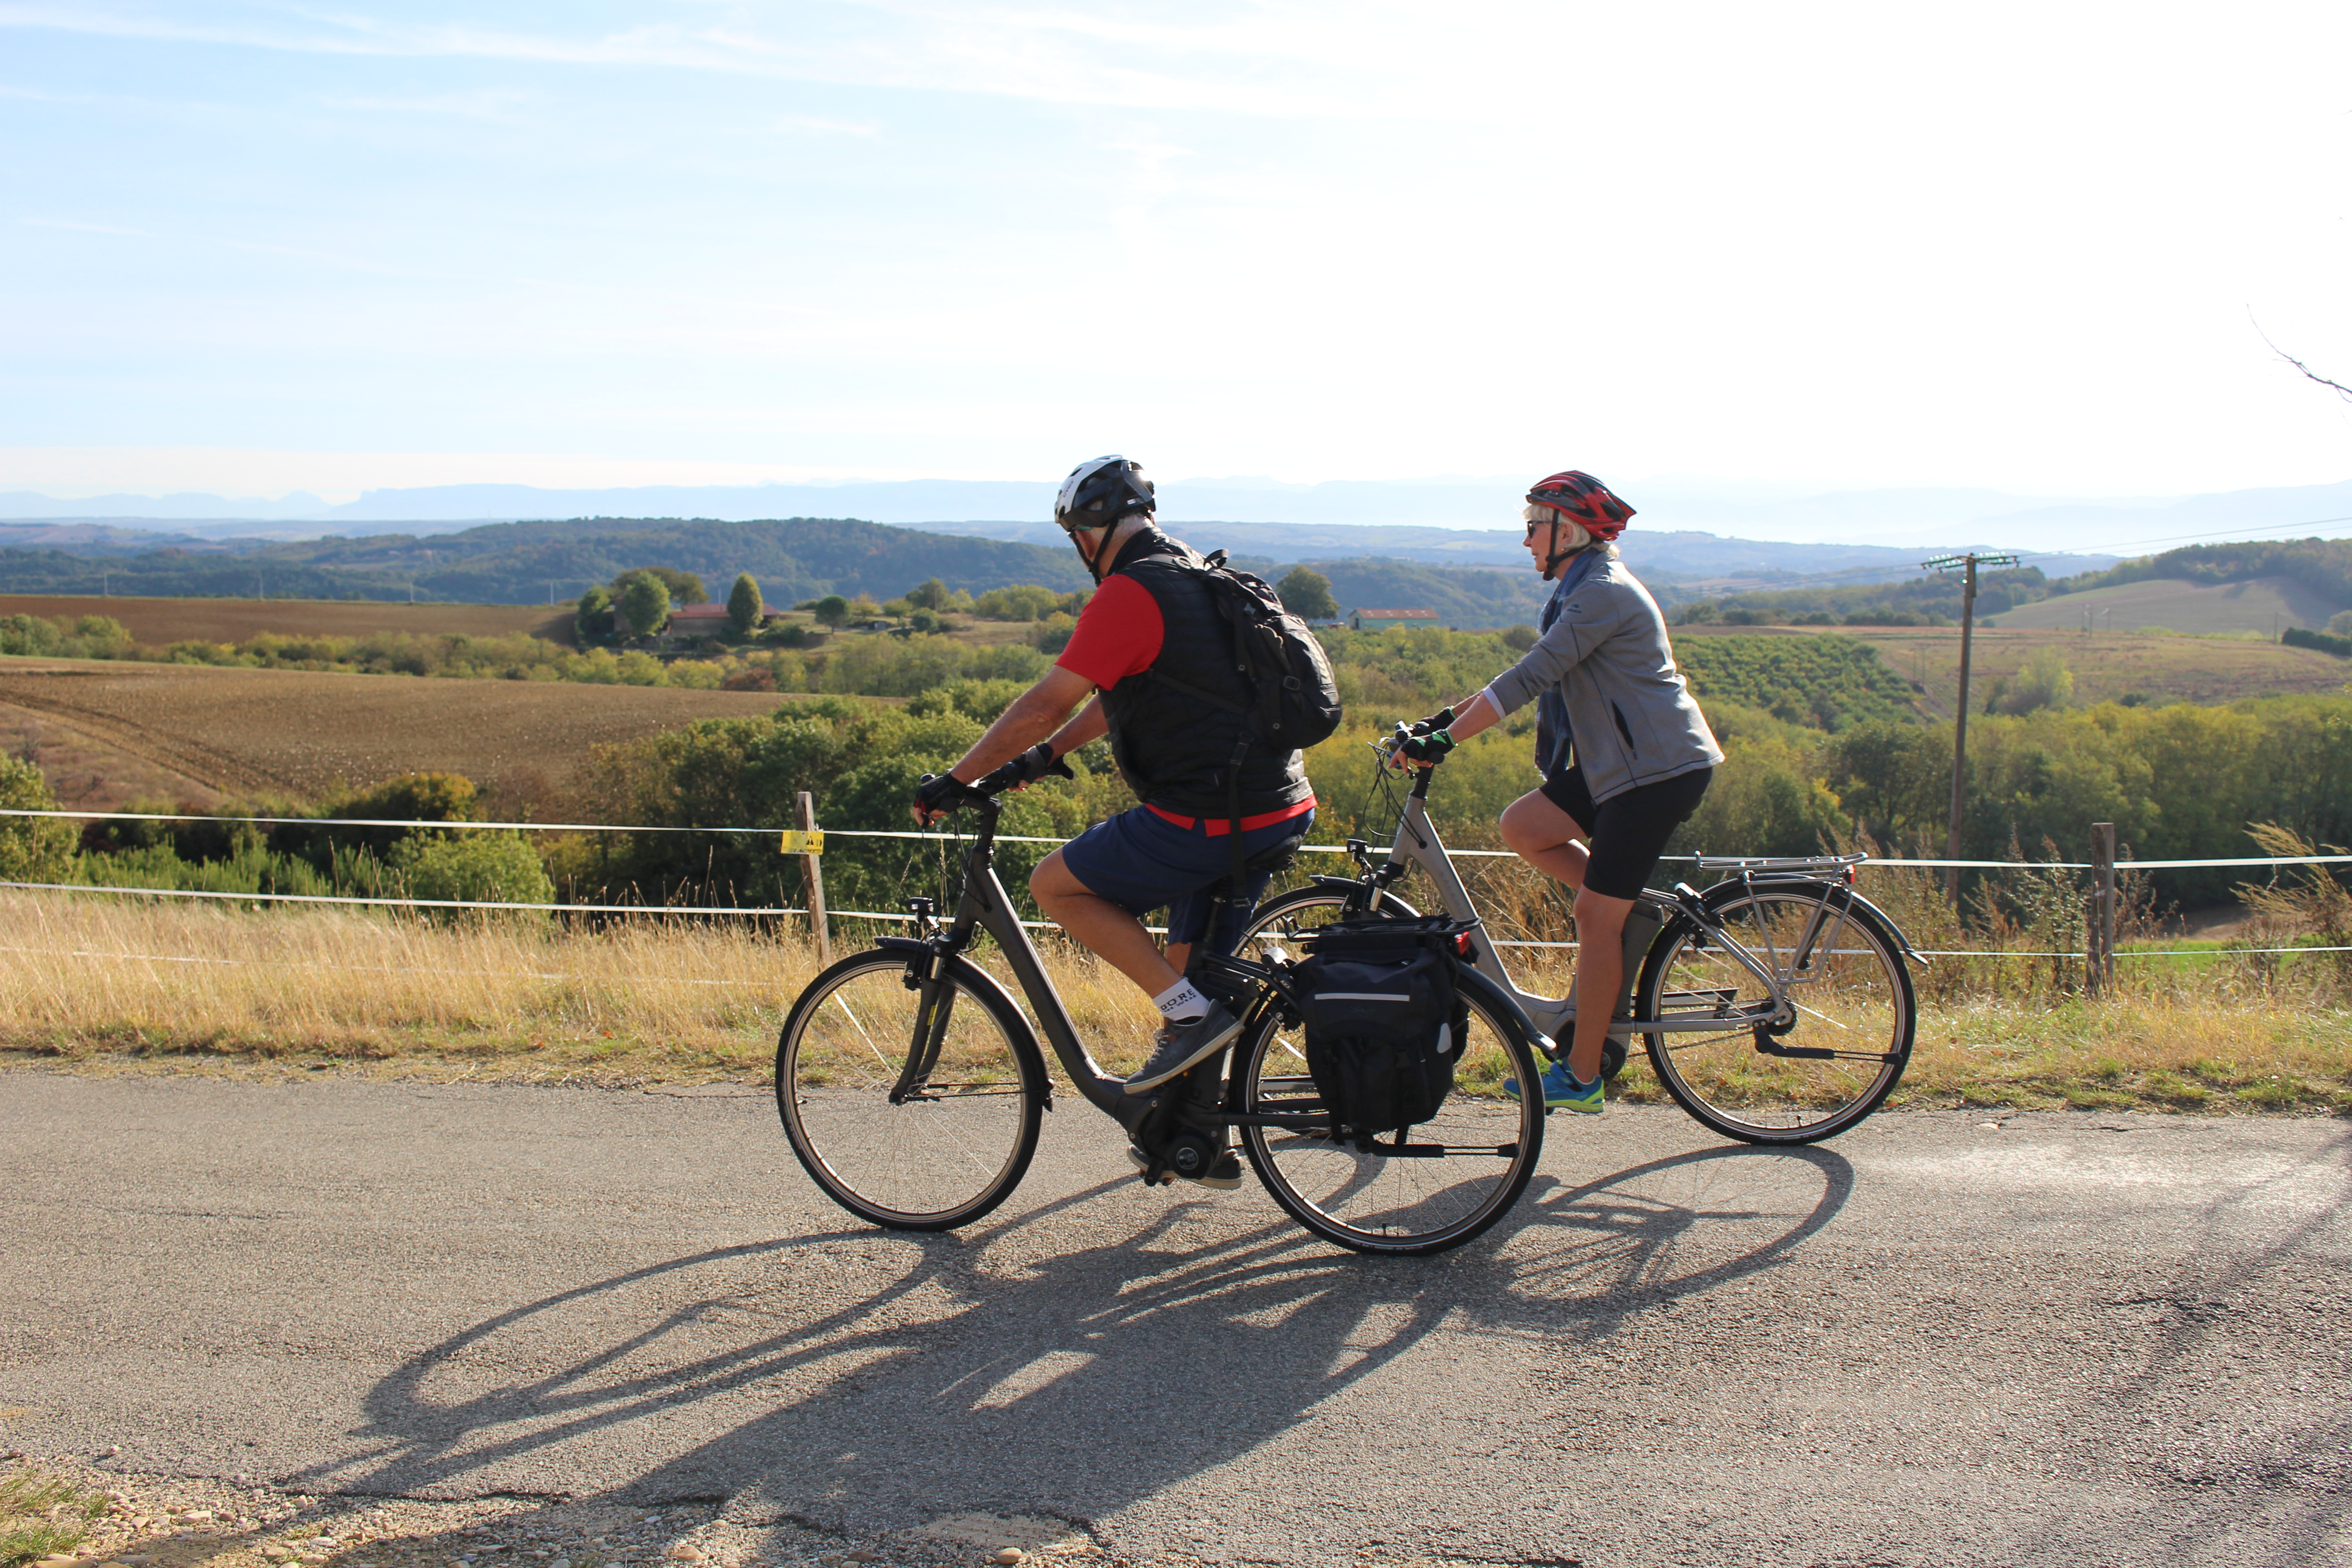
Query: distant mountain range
column 1907, row 521
column 1679, row 565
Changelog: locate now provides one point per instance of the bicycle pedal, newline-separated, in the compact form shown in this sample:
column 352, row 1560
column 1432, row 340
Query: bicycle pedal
column 1151, row 1172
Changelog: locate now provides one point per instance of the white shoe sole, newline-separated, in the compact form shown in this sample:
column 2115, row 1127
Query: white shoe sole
column 1140, row 1084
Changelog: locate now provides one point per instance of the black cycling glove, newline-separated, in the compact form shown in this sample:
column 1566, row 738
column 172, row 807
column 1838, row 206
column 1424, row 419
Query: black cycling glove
column 1441, row 720
column 941, row 792
column 1429, row 747
column 1037, row 763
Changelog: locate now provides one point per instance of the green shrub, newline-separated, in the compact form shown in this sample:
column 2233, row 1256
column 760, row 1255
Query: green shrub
column 32, row 848
column 2295, row 637
column 486, row 867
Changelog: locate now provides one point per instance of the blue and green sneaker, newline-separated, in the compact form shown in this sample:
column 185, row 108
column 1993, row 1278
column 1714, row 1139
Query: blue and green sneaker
column 1562, row 1091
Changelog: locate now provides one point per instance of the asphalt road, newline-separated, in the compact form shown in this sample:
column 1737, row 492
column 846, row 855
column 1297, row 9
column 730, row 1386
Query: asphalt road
column 2065, row 1339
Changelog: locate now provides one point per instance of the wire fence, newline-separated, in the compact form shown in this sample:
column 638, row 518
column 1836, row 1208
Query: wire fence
column 764, row 911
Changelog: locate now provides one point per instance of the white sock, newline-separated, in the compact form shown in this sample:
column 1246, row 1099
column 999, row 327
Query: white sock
column 1181, row 1003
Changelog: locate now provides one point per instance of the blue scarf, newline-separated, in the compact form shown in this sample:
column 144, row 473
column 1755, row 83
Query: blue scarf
column 1553, row 736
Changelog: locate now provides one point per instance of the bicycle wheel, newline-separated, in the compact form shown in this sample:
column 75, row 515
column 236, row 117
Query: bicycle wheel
column 952, row 1148
column 1843, row 971
column 1379, row 1201
column 1286, row 918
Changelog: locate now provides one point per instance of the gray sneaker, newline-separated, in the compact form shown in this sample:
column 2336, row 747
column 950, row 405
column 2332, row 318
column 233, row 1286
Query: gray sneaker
column 1223, row 1176
column 1180, row 1047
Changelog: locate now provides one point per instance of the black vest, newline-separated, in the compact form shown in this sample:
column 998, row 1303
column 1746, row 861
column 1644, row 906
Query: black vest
column 1174, row 750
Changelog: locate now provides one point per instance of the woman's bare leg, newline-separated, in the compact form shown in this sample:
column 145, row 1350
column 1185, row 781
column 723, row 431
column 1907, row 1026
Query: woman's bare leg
column 1545, row 837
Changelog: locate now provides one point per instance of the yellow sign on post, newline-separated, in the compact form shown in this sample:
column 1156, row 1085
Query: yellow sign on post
column 804, row 841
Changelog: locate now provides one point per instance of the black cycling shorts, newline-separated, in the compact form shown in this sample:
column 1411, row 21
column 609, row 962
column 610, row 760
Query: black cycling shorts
column 1627, row 832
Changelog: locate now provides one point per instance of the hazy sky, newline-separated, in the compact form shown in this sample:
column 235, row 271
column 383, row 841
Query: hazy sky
column 255, row 248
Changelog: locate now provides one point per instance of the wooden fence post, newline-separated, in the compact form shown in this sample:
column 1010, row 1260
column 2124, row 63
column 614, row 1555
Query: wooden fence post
column 2099, row 930
column 813, row 873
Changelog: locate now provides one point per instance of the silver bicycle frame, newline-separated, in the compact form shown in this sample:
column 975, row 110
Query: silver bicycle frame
column 1417, row 844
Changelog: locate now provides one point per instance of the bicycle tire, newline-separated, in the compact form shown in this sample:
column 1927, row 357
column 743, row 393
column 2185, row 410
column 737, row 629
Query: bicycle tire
column 942, row 1158
column 1285, row 909
column 1368, row 1202
column 1860, row 1003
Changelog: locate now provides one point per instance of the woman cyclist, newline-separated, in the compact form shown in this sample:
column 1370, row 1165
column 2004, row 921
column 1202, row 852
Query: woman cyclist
column 1624, row 751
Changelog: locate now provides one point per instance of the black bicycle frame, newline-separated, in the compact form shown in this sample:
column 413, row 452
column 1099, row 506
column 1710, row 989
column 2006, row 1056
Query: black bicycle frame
column 984, row 904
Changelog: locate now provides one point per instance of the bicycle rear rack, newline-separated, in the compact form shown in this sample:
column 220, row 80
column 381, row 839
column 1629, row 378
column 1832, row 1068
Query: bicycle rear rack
column 1782, row 865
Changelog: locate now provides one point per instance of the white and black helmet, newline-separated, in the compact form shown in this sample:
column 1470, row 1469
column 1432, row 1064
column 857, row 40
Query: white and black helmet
column 1101, row 491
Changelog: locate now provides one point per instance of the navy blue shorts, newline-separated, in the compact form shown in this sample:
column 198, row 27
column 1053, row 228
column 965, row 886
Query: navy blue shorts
column 1141, row 861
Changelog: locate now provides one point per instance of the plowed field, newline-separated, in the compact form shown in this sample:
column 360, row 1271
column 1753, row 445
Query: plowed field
column 123, row 728
column 161, row 621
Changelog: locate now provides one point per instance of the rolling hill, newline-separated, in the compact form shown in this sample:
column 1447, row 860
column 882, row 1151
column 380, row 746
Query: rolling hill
column 2263, row 604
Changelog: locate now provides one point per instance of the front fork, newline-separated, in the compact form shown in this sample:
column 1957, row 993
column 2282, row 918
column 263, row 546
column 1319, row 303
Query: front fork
column 926, row 976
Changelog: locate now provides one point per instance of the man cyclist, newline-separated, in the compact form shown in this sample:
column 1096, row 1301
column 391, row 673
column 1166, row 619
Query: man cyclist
column 1624, row 751
column 1149, row 650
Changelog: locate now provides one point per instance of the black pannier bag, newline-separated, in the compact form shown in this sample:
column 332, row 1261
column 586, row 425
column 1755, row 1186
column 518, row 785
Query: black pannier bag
column 1384, row 1021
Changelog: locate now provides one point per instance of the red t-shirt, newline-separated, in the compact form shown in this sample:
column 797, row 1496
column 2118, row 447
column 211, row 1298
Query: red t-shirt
column 1119, row 635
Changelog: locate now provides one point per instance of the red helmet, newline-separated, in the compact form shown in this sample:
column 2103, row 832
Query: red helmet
column 1585, row 501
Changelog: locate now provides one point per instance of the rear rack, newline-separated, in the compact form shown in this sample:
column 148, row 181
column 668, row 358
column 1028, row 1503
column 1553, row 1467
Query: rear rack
column 1796, row 864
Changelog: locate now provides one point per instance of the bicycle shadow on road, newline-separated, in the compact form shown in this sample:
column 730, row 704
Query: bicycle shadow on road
column 1069, row 1361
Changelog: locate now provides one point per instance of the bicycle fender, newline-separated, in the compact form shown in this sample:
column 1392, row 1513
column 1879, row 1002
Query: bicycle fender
column 1354, row 885
column 979, row 981
column 1840, row 895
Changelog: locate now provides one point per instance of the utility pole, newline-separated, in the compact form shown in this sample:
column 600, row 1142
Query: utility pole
column 1967, row 563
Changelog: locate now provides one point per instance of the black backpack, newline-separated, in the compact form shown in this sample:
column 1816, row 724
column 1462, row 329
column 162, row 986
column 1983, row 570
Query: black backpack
column 1293, row 701
column 1384, row 1021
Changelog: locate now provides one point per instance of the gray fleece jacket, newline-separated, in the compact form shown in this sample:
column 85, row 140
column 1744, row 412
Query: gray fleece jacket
column 1604, row 656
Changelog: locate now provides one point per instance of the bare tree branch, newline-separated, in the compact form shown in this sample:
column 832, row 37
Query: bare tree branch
column 2342, row 391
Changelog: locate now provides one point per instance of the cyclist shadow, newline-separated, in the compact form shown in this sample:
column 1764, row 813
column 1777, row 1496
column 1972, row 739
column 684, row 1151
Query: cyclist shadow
column 1067, row 1361
column 1669, row 1227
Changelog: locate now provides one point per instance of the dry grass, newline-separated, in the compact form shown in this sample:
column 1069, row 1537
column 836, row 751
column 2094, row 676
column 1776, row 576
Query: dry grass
column 641, row 1000
column 107, row 984
column 295, row 732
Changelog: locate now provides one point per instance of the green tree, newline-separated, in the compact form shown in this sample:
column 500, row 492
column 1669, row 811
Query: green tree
column 685, row 587
column 1307, row 593
column 2044, row 683
column 644, row 603
column 32, row 848
column 744, row 603
column 832, row 610
column 931, row 594
column 593, row 618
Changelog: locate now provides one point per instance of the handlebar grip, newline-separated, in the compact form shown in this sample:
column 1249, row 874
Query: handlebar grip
column 998, row 781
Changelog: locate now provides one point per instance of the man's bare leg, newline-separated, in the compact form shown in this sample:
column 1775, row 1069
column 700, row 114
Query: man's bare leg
column 1101, row 927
